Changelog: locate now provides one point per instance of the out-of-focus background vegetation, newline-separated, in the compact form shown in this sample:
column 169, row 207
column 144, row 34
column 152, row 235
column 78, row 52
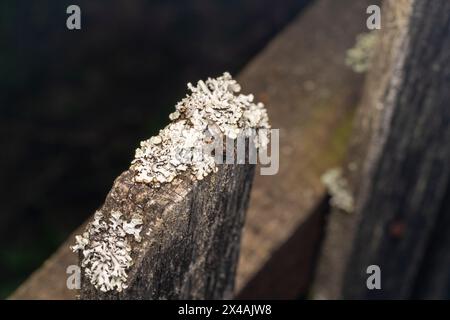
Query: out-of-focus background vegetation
column 75, row 104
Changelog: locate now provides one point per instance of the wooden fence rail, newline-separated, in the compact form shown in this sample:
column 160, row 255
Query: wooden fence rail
column 170, row 227
column 409, row 173
column 399, row 162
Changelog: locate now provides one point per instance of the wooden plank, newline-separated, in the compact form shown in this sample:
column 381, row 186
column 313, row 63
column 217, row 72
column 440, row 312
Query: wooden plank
column 341, row 226
column 49, row 281
column 434, row 279
column 195, row 228
column 401, row 204
column 311, row 96
column 293, row 260
column 171, row 225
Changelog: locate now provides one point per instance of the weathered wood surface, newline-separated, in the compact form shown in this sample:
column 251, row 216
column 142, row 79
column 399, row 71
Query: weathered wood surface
column 193, row 246
column 341, row 226
column 185, row 215
column 49, row 281
column 400, row 159
column 434, row 280
column 311, row 96
column 400, row 207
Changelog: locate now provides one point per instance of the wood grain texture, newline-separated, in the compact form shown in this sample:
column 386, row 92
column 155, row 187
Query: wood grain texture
column 365, row 145
column 408, row 175
column 193, row 246
column 311, row 96
column 49, row 281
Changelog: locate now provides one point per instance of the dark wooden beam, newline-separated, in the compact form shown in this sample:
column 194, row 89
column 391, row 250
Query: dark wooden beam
column 407, row 186
column 195, row 228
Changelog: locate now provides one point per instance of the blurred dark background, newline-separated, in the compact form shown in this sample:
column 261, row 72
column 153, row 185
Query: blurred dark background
column 75, row 104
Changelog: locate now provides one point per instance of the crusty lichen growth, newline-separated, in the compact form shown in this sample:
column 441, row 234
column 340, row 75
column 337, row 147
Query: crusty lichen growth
column 106, row 249
column 213, row 107
column 360, row 56
column 337, row 186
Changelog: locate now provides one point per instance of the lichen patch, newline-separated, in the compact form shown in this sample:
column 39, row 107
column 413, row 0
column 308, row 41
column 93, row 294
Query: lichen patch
column 212, row 107
column 337, row 186
column 359, row 57
column 106, row 249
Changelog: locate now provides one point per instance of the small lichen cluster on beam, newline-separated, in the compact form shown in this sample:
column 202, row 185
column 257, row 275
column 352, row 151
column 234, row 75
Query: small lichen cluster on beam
column 360, row 56
column 338, row 188
column 106, row 249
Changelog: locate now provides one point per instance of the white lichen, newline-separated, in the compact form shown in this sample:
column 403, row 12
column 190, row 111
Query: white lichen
column 213, row 106
column 360, row 56
column 106, row 249
column 338, row 189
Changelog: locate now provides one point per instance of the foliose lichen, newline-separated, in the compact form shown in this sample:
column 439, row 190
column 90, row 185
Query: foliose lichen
column 106, row 249
column 360, row 56
column 337, row 186
column 212, row 107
